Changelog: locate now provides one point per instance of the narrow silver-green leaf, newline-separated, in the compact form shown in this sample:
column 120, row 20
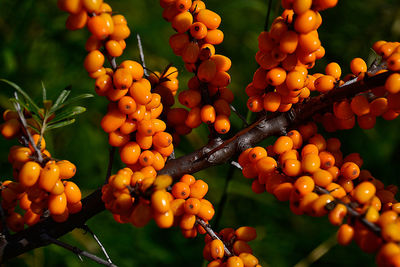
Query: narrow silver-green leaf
column 60, row 124
column 22, row 92
column 60, row 99
column 72, row 100
column 68, row 113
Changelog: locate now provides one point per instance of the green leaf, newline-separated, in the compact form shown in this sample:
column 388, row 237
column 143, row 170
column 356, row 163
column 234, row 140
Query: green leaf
column 61, row 98
column 72, row 100
column 60, row 124
column 25, row 95
column 68, row 113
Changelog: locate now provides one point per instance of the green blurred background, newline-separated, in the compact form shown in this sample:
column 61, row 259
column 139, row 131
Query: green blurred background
column 35, row 47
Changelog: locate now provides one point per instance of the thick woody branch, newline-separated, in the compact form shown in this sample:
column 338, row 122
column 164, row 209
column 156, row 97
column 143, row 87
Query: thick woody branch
column 216, row 152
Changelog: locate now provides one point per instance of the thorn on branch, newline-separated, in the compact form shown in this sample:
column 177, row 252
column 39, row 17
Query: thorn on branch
column 76, row 250
column 213, row 235
column 142, row 55
column 87, row 229
column 239, row 115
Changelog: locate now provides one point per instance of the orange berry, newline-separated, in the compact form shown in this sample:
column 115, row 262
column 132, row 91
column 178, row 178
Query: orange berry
column 97, row 25
column 350, row 170
column 57, row 204
column 392, row 84
column 358, row 66
column 283, row 144
column 49, row 176
column 324, row 83
column 159, row 201
column 360, row 105
column 198, row 189
column 121, row 32
column 72, row 192
column 364, row 192
column 130, row 153
column 234, row 261
column 305, row 22
column 164, row 220
column 198, row 30
column 217, row 249
column 222, row 124
column 93, row 61
column 180, row 190
column 182, row 21
column 310, row 163
column 206, row 70
column 345, row 234
column 209, row 18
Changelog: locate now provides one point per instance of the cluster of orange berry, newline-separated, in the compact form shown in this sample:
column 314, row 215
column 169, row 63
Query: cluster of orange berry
column 365, row 107
column 286, row 52
column 132, row 118
column 137, row 198
column 311, row 172
column 197, row 33
column 231, row 248
column 38, row 186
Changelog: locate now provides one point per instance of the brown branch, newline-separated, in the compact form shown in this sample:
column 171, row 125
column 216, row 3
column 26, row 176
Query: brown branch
column 222, row 151
column 213, row 235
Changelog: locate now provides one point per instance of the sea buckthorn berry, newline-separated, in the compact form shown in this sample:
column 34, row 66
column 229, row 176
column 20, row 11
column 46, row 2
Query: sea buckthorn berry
column 92, row 5
column 246, row 233
column 93, row 61
column 393, row 61
column 392, row 84
column 164, row 220
column 207, row 114
column 122, row 78
column 391, row 232
column 159, row 201
column 266, row 165
column 190, row 98
column 345, row 234
column 310, row 163
column 272, row 101
column 187, row 221
column 146, row 158
column 97, row 25
column 209, row 18
column 72, row 192
column 364, row 192
column 241, row 246
column 206, row 70
column 191, row 52
column 182, row 22
column 322, row 177
column 283, row 144
column 198, row 30
column 234, row 261
column 222, row 63
column 309, row 42
column 319, row 205
column 192, row 206
column 141, row 93
column 217, row 249
column 342, row 110
column 292, row 167
column 180, row 190
column 257, row 153
column 57, row 204
column 333, row 69
column 255, row 103
column 121, row 32
column 360, row 105
column 222, row 124
column 337, row 215
column 358, row 66
column 305, row 22
column 301, row 6
column 114, row 48
column 276, row 76
column 295, row 80
column 249, row 259
column 130, row 153
column 76, row 21
column 127, row 105
column 378, row 106
column 206, row 211
column 198, row 189
column 350, row 170
column 324, row 83
column 49, row 176
column 288, row 42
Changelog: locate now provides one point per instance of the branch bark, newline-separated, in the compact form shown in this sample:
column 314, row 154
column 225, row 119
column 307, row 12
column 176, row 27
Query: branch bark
column 216, row 152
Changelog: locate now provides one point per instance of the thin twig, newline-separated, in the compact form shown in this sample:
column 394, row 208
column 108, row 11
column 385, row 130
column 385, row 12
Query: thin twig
column 87, row 229
column 239, row 115
column 25, row 125
column 77, row 251
column 142, row 55
column 213, row 235
column 110, row 163
column 236, row 165
column 352, row 212
column 266, row 24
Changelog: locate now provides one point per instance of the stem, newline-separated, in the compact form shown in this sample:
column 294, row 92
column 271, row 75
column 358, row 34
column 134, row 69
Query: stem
column 239, row 115
column 25, row 125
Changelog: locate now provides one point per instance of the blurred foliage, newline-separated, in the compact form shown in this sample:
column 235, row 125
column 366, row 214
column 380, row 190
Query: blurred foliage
column 35, row 47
